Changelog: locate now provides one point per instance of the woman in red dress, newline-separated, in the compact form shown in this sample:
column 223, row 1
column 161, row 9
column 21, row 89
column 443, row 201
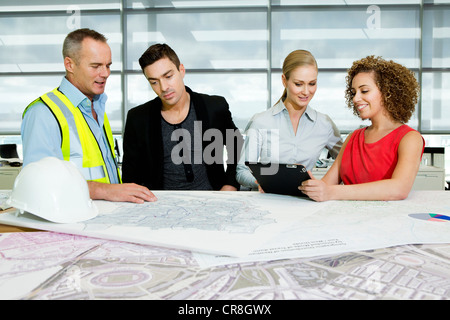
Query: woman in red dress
column 381, row 161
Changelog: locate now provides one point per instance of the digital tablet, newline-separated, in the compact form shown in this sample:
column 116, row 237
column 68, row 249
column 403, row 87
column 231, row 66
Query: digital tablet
column 279, row 178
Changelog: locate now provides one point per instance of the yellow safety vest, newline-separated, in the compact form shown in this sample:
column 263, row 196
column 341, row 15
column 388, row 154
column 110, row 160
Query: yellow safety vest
column 92, row 157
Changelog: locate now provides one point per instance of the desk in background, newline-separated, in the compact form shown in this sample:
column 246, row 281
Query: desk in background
column 428, row 177
column 8, row 175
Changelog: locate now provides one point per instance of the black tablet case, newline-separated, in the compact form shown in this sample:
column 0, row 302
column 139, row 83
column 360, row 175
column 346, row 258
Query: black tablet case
column 285, row 180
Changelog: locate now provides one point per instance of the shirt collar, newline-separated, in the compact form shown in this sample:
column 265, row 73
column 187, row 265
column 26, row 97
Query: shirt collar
column 77, row 97
column 310, row 113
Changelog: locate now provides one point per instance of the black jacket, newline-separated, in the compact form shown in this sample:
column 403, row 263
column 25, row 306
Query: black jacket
column 142, row 142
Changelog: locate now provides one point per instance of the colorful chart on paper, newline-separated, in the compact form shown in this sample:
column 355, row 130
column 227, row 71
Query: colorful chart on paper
column 430, row 217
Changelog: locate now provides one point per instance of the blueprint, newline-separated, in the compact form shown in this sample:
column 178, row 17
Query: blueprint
column 223, row 228
column 224, row 223
column 185, row 211
column 345, row 226
column 47, row 265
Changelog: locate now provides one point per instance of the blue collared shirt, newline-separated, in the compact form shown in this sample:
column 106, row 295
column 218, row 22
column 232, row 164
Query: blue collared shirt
column 41, row 136
column 270, row 138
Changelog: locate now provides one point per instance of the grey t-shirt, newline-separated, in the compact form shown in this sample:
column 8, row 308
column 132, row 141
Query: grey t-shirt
column 184, row 168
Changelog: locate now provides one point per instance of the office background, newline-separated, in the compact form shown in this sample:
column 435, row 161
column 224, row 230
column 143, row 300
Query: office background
column 232, row 48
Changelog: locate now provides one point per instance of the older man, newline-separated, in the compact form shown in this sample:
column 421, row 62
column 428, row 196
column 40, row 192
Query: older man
column 70, row 122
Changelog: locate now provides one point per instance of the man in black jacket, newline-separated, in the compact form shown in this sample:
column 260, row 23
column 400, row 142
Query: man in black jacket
column 176, row 141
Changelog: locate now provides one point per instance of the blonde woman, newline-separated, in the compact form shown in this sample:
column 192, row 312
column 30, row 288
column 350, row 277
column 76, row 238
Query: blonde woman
column 378, row 162
column 291, row 131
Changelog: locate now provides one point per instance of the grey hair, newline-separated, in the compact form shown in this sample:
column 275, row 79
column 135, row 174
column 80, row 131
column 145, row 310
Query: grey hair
column 72, row 42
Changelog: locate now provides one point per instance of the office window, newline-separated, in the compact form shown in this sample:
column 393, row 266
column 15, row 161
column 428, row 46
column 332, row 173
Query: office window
column 211, row 45
column 33, row 43
column 345, row 34
column 204, row 41
column 48, row 6
column 435, row 101
column 141, row 4
column 348, row 33
column 16, row 93
column 246, row 93
column 31, row 62
column 436, row 37
column 233, row 48
column 436, row 64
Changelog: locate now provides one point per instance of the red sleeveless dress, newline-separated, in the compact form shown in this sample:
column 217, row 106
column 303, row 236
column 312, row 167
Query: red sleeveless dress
column 366, row 162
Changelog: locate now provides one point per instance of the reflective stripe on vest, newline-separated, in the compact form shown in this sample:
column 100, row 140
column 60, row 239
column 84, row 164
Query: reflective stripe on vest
column 91, row 161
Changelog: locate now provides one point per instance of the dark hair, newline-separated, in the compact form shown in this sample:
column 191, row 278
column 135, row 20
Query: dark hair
column 72, row 42
column 156, row 52
column 397, row 84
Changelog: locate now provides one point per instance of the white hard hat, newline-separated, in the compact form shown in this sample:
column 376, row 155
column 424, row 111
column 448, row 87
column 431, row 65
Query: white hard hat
column 53, row 189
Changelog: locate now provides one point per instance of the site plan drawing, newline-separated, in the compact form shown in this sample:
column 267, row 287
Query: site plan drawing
column 345, row 226
column 48, row 265
column 185, row 211
column 234, row 227
column 225, row 223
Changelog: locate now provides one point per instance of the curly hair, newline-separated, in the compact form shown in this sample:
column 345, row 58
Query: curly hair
column 397, row 84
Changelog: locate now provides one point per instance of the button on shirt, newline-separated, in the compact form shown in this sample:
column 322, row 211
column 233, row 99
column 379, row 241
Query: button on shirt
column 41, row 136
column 270, row 138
